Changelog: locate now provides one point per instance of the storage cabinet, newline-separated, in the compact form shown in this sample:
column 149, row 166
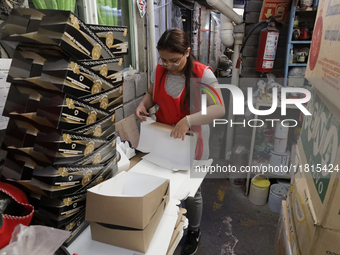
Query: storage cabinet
column 300, row 33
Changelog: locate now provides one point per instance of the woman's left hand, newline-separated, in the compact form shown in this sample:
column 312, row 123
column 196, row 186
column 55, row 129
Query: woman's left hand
column 180, row 129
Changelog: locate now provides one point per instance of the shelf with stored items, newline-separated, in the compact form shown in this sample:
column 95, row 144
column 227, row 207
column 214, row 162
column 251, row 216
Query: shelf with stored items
column 256, row 167
column 301, row 24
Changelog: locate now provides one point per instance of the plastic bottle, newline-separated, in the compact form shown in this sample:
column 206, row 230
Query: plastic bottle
column 291, row 56
column 130, row 70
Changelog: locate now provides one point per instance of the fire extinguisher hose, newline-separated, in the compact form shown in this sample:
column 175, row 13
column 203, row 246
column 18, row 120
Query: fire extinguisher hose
column 238, row 64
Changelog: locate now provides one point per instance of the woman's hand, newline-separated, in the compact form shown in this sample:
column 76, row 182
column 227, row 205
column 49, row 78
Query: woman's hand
column 180, row 129
column 141, row 110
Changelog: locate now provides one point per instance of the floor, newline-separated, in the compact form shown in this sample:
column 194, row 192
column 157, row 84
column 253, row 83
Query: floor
column 231, row 224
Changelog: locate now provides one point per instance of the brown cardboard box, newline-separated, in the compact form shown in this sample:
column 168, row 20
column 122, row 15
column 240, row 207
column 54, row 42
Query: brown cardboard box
column 128, row 130
column 285, row 234
column 129, row 238
column 314, row 198
column 130, row 199
column 323, row 68
column 312, row 237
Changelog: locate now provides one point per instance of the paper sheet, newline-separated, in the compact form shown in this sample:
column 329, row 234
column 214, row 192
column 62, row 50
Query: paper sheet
column 4, row 87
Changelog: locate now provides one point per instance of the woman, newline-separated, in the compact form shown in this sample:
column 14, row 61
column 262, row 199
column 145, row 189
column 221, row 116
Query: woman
column 177, row 79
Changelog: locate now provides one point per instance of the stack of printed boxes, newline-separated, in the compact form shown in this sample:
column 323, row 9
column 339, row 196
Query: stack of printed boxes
column 66, row 84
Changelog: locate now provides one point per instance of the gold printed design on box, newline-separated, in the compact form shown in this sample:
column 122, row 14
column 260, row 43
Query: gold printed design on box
column 103, row 70
column 75, row 67
column 68, row 201
column 97, row 131
column 87, row 178
column 91, row 118
column 125, row 32
column 63, row 171
column 67, row 138
column 96, row 88
column 75, row 22
column 120, row 61
column 114, row 161
column 70, row 226
column 104, row 102
column 114, row 143
column 97, row 159
column 89, row 148
column 70, row 103
column 96, row 52
column 109, row 39
column 120, row 89
column 100, row 180
column 113, row 117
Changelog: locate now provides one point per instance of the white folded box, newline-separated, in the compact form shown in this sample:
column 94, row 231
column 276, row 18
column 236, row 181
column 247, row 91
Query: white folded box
column 125, row 211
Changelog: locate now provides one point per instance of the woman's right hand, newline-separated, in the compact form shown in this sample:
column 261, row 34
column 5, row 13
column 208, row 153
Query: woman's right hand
column 140, row 111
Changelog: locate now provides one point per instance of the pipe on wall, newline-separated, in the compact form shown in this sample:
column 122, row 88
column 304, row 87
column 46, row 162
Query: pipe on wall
column 227, row 27
column 223, row 8
column 151, row 19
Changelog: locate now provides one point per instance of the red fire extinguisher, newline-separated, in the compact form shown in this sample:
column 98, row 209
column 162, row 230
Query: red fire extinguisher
column 266, row 52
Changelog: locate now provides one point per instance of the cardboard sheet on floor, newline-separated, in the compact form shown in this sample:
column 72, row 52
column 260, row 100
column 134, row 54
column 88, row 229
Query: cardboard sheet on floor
column 165, row 151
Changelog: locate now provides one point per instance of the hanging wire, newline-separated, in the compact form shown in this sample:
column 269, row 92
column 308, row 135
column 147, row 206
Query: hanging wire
column 185, row 6
column 155, row 8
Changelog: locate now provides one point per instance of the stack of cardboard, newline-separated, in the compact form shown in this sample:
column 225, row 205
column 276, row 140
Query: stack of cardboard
column 66, row 84
column 314, row 195
column 125, row 210
column 313, row 198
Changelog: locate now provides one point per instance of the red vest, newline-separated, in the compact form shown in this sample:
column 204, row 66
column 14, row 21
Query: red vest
column 170, row 109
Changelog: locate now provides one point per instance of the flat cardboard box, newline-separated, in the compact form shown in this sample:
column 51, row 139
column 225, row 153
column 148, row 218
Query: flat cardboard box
column 59, row 153
column 128, row 200
column 66, row 175
column 110, row 69
column 108, row 100
column 323, row 67
column 66, row 146
column 114, row 37
column 88, row 181
column 282, row 244
column 319, row 149
column 18, row 167
column 104, row 128
column 53, row 29
column 52, row 109
column 312, row 237
column 129, row 238
column 57, row 73
column 63, row 204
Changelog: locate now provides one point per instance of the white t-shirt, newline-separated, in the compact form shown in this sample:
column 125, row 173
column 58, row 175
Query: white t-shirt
column 174, row 85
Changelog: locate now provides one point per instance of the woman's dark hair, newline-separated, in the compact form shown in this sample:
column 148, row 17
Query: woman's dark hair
column 176, row 40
